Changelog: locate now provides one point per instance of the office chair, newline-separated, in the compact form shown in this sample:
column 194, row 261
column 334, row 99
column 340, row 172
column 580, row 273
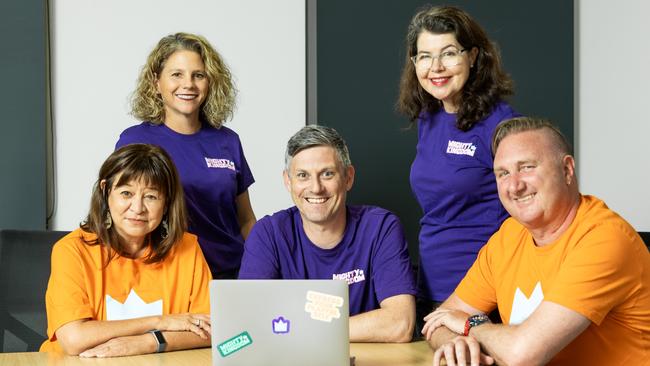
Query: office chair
column 24, row 272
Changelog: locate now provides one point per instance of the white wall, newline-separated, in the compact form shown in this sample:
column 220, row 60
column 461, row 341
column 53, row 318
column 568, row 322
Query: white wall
column 614, row 106
column 98, row 48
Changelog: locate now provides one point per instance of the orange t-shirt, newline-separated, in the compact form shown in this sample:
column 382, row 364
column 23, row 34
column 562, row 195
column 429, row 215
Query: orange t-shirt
column 81, row 287
column 599, row 268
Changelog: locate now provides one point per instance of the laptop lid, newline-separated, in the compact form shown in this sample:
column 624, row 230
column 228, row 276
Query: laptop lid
column 279, row 322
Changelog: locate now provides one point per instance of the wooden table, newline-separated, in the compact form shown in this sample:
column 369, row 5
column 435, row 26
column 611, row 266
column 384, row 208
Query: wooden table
column 365, row 354
column 391, row 354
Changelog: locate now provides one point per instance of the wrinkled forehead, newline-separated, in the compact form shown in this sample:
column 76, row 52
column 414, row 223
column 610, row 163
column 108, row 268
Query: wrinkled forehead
column 316, row 158
column 531, row 145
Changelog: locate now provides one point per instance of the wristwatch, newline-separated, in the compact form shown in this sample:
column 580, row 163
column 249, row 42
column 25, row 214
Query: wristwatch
column 473, row 321
column 160, row 339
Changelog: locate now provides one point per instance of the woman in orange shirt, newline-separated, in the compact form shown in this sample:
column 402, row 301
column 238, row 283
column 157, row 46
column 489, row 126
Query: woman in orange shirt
column 130, row 280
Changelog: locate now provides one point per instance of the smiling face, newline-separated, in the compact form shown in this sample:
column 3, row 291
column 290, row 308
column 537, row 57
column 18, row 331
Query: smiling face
column 444, row 83
column 318, row 184
column 136, row 210
column 535, row 181
column 183, row 85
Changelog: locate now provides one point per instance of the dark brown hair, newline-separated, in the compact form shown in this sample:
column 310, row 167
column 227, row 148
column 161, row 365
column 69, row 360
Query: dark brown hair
column 132, row 163
column 487, row 84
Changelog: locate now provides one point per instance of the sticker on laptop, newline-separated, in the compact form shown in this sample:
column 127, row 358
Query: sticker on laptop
column 280, row 325
column 235, row 344
column 323, row 307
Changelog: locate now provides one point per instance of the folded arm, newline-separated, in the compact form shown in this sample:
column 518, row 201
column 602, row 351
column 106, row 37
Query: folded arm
column 128, row 337
column 439, row 329
column 549, row 329
column 145, row 343
column 392, row 322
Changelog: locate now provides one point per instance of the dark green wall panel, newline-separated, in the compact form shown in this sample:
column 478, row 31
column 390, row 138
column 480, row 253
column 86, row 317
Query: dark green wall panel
column 23, row 105
column 357, row 96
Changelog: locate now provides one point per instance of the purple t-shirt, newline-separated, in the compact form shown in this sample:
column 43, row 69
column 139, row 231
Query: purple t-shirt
column 453, row 180
column 213, row 171
column 372, row 255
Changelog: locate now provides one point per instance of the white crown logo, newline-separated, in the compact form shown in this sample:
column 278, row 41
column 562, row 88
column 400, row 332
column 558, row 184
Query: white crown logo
column 523, row 306
column 133, row 307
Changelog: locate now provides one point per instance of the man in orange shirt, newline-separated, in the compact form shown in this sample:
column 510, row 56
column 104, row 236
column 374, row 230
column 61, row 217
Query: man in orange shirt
column 571, row 278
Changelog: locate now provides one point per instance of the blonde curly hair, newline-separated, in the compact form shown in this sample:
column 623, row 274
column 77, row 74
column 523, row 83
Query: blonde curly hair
column 147, row 104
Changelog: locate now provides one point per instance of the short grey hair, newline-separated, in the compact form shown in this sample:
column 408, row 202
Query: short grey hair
column 312, row 136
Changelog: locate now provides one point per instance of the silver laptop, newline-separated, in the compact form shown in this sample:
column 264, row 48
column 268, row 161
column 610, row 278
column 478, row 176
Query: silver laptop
column 279, row 322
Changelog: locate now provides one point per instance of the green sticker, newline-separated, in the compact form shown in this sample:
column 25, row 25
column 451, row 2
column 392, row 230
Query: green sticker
column 234, row 344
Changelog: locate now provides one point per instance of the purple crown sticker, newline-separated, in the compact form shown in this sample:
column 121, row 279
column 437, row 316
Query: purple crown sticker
column 280, row 325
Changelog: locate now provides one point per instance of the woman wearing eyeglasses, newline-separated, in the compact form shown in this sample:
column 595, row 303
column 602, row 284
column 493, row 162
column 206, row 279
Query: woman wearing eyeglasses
column 452, row 86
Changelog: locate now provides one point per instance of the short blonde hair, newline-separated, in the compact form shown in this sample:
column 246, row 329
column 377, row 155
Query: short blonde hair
column 523, row 124
column 147, row 104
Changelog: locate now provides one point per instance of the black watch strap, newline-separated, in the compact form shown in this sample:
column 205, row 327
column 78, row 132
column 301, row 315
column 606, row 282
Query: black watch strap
column 160, row 339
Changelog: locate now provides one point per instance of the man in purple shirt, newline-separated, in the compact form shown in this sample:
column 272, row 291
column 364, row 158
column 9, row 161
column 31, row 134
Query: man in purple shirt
column 322, row 238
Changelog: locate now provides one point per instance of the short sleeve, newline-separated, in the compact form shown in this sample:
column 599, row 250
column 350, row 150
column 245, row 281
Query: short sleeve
column 392, row 273
column 66, row 298
column 128, row 137
column 599, row 272
column 122, row 141
column 245, row 176
column 260, row 259
column 477, row 288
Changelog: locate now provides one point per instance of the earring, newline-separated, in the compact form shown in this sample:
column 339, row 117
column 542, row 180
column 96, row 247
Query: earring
column 164, row 231
column 108, row 221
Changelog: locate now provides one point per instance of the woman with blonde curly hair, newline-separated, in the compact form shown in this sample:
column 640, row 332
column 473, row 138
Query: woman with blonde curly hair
column 184, row 95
